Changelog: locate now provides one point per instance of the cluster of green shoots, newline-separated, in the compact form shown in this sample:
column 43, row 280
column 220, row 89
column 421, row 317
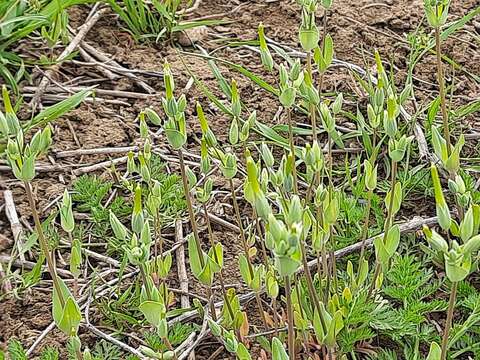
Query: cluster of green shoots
column 288, row 239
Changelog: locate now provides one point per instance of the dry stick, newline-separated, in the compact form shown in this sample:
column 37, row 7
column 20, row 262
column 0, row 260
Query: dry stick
column 100, row 166
column 96, row 151
column 113, row 93
column 82, row 31
column 116, row 66
column 17, row 230
column 412, row 225
column 97, row 256
column 29, row 265
column 448, row 322
column 181, row 268
column 6, row 285
column 52, row 98
column 107, row 73
column 245, row 248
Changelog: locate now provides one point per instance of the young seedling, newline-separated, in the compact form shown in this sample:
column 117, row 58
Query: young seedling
column 309, row 36
column 323, row 55
column 21, row 158
column 458, row 258
column 386, row 246
column 289, row 84
column 68, row 224
column 437, row 13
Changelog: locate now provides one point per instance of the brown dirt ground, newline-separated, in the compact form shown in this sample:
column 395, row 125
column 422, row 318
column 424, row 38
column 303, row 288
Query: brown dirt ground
column 357, row 28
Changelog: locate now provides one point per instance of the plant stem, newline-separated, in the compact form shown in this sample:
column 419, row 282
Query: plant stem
column 78, row 354
column 292, row 150
column 169, row 346
column 448, row 322
column 388, row 224
column 275, row 315
column 311, row 288
column 220, row 275
column 144, row 278
column 441, row 83
column 43, row 243
column 190, row 208
column 312, row 106
column 291, row 329
column 245, row 247
column 260, row 235
column 365, row 226
column 332, row 256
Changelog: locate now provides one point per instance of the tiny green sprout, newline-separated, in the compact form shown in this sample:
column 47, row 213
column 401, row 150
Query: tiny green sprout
column 87, row 355
column 206, row 131
column 386, row 246
column 271, row 284
column 236, row 318
column 205, row 161
column 450, row 160
column 253, row 282
column 370, row 175
column 204, row 273
column 308, row 33
column 436, row 12
column 143, row 126
column 434, row 352
column 374, row 118
column 228, row 165
column 137, row 213
column 21, row 157
column 267, row 155
column 284, row 242
column 396, row 202
column 131, row 166
column 163, row 264
column 398, row 148
column 289, row 84
column 323, row 56
column 309, row 90
column 337, row 104
column 76, row 258
column 333, row 325
column 152, row 116
column 265, row 54
column 204, row 192
column 233, row 132
column 118, row 228
column 144, row 169
column 66, row 213
column 67, row 316
column 443, row 212
column 278, row 350
column 175, row 126
column 191, row 177
column 236, row 104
